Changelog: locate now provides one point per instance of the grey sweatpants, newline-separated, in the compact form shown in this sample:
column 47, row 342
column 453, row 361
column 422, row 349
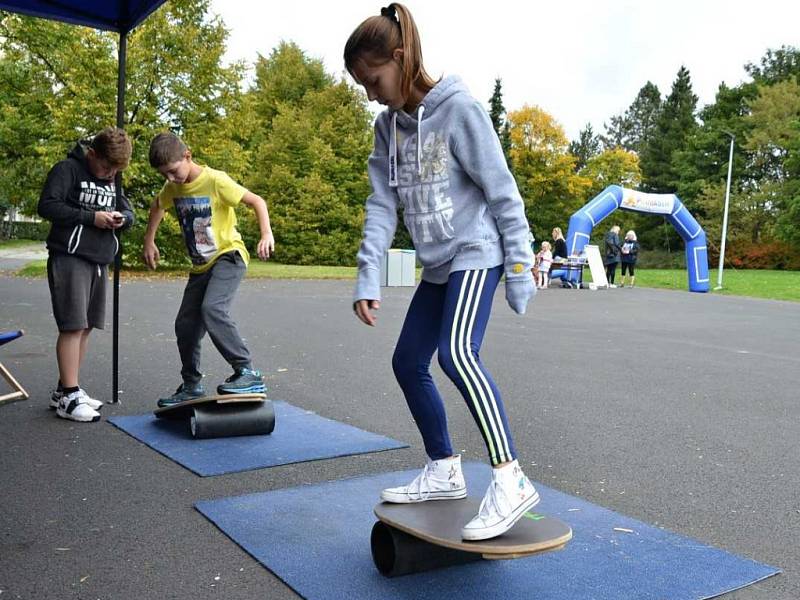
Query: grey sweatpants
column 206, row 308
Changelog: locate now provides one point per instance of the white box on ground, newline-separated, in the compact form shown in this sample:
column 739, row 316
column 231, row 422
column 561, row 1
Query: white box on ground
column 398, row 268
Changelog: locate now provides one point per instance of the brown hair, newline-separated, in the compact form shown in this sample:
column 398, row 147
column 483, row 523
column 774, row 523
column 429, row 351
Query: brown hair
column 113, row 145
column 166, row 148
column 379, row 36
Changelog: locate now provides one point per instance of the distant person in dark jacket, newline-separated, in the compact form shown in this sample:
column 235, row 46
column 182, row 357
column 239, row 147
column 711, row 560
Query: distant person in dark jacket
column 559, row 255
column 80, row 201
column 612, row 253
column 629, row 252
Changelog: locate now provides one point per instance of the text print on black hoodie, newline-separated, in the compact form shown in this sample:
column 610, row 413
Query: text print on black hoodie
column 70, row 197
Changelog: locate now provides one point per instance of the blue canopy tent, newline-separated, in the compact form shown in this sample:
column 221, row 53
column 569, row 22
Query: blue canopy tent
column 120, row 16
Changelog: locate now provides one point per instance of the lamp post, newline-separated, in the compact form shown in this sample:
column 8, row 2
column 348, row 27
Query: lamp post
column 725, row 214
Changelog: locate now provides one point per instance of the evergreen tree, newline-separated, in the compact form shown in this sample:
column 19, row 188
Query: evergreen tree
column 497, row 113
column 586, row 147
column 673, row 127
column 632, row 130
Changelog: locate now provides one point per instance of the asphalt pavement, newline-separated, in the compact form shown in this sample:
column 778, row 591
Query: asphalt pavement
column 678, row 409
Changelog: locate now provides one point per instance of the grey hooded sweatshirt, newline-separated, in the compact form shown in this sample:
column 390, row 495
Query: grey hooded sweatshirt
column 446, row 169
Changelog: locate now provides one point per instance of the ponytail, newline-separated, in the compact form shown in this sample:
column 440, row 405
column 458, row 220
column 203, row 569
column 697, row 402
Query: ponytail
column 379, row 36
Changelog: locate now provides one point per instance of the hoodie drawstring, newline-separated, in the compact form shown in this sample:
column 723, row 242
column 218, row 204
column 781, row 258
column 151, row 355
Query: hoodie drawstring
column 393, row 146
column 393, row 152
column 420, row 112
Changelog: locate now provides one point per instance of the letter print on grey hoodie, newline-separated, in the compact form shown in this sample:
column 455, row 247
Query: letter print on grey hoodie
column 444, row 166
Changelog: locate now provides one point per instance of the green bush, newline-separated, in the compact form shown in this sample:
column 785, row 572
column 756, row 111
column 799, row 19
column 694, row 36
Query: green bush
column 10, row 230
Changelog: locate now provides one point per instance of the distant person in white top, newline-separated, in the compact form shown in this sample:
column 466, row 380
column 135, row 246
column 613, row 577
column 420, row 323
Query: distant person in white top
column 545, row 259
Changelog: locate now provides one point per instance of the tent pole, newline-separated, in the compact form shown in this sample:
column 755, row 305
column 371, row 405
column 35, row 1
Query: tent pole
column 121, row 63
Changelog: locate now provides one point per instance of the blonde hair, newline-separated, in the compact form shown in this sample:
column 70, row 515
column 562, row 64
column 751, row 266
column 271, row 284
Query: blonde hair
column 166, row 148
column 557, row 234
column 546, row 245
column 631, row 235
column 376, row 39
column 113, row 145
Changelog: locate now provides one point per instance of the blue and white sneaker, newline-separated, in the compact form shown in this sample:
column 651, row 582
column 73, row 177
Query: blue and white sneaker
column 243, row 381
column 509, row 496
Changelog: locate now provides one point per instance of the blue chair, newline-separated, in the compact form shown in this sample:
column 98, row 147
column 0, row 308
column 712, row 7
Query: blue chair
column 19, row 392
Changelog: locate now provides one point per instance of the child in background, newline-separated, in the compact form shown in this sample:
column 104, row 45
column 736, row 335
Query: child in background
column 437, row 155
column 544, row 259
column 80, row 200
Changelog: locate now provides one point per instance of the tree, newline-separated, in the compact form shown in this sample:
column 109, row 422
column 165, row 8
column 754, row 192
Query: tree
column 176, row 80
column 309, row 158
column 585, row 147
column 674, row 125
column 544, row 169
column 776, row 65
column 612, row 167
column 774, row 139
column 633, row 130
column 497, row 112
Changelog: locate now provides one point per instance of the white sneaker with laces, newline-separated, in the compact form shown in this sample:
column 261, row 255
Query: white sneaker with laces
column 95, row 404
column 73, row 407
column 510, row 494
column 440, row 480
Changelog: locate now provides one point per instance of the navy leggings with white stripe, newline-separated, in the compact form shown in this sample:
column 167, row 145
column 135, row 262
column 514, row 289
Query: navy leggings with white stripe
column 451, row 318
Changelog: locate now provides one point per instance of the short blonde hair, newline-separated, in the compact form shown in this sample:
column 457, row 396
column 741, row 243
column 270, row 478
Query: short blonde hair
column 546, row 245
column 631, row 235
column 114, row 146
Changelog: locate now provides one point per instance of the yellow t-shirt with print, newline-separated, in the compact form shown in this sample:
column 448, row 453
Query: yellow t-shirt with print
column 205, row 210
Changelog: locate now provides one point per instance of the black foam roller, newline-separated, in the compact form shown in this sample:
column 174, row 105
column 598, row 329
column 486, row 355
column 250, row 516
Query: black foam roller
column 232, row 419
column 396, row 553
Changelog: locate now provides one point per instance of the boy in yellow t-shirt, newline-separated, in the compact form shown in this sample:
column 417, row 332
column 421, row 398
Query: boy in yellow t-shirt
column 204, row 200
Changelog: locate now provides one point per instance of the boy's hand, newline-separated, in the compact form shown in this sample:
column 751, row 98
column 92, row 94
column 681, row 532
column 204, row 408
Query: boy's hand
column 363, row 310
column 106, row 220
column 151, row 255
column 266, row 246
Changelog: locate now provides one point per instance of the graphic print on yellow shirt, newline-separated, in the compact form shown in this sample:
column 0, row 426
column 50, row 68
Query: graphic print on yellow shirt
column 205, row 211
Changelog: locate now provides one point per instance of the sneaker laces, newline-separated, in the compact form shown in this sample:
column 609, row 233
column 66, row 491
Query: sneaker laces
column 419, row 480
column 490, row 504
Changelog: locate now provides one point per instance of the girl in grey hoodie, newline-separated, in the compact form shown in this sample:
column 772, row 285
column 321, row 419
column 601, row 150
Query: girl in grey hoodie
column 437, row 156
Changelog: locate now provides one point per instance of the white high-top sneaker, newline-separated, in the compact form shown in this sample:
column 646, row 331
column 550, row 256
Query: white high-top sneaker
column 510, row 494
column 73, row 407
column 440, row 480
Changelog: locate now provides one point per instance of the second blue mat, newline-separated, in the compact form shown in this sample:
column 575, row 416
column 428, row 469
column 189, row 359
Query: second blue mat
column 316, row 539
column 299, row 436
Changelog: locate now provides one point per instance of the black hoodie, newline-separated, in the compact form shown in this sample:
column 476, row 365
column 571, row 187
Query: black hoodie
column 69, row 200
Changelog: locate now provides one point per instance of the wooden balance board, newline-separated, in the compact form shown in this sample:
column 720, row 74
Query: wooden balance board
column 224, row 415
column 410, row 538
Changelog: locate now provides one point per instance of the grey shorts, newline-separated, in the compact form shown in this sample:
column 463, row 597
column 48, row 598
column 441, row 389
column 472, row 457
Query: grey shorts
column 77, row 292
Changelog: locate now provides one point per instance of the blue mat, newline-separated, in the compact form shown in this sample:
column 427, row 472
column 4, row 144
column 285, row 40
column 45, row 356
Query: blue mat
column 299, row 436
column 316, row 539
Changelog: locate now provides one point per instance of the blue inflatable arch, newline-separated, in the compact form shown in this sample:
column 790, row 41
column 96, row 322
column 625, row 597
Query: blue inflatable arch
column 668, row 205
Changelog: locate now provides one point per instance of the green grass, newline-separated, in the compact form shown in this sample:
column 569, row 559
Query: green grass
column 774, row 285
column 19, row 243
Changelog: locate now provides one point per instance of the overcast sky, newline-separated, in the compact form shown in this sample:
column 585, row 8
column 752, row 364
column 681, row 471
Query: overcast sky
column 581, row 61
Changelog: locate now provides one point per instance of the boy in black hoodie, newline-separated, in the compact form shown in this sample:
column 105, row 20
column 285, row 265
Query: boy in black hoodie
column 79, row 199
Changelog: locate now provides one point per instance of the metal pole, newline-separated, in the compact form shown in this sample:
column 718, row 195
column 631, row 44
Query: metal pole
column 123, row 50
column 725, row 216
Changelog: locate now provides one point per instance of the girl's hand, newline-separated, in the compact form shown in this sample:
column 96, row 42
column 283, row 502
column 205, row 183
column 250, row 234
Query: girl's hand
column 363, row 310
column 266, row 246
